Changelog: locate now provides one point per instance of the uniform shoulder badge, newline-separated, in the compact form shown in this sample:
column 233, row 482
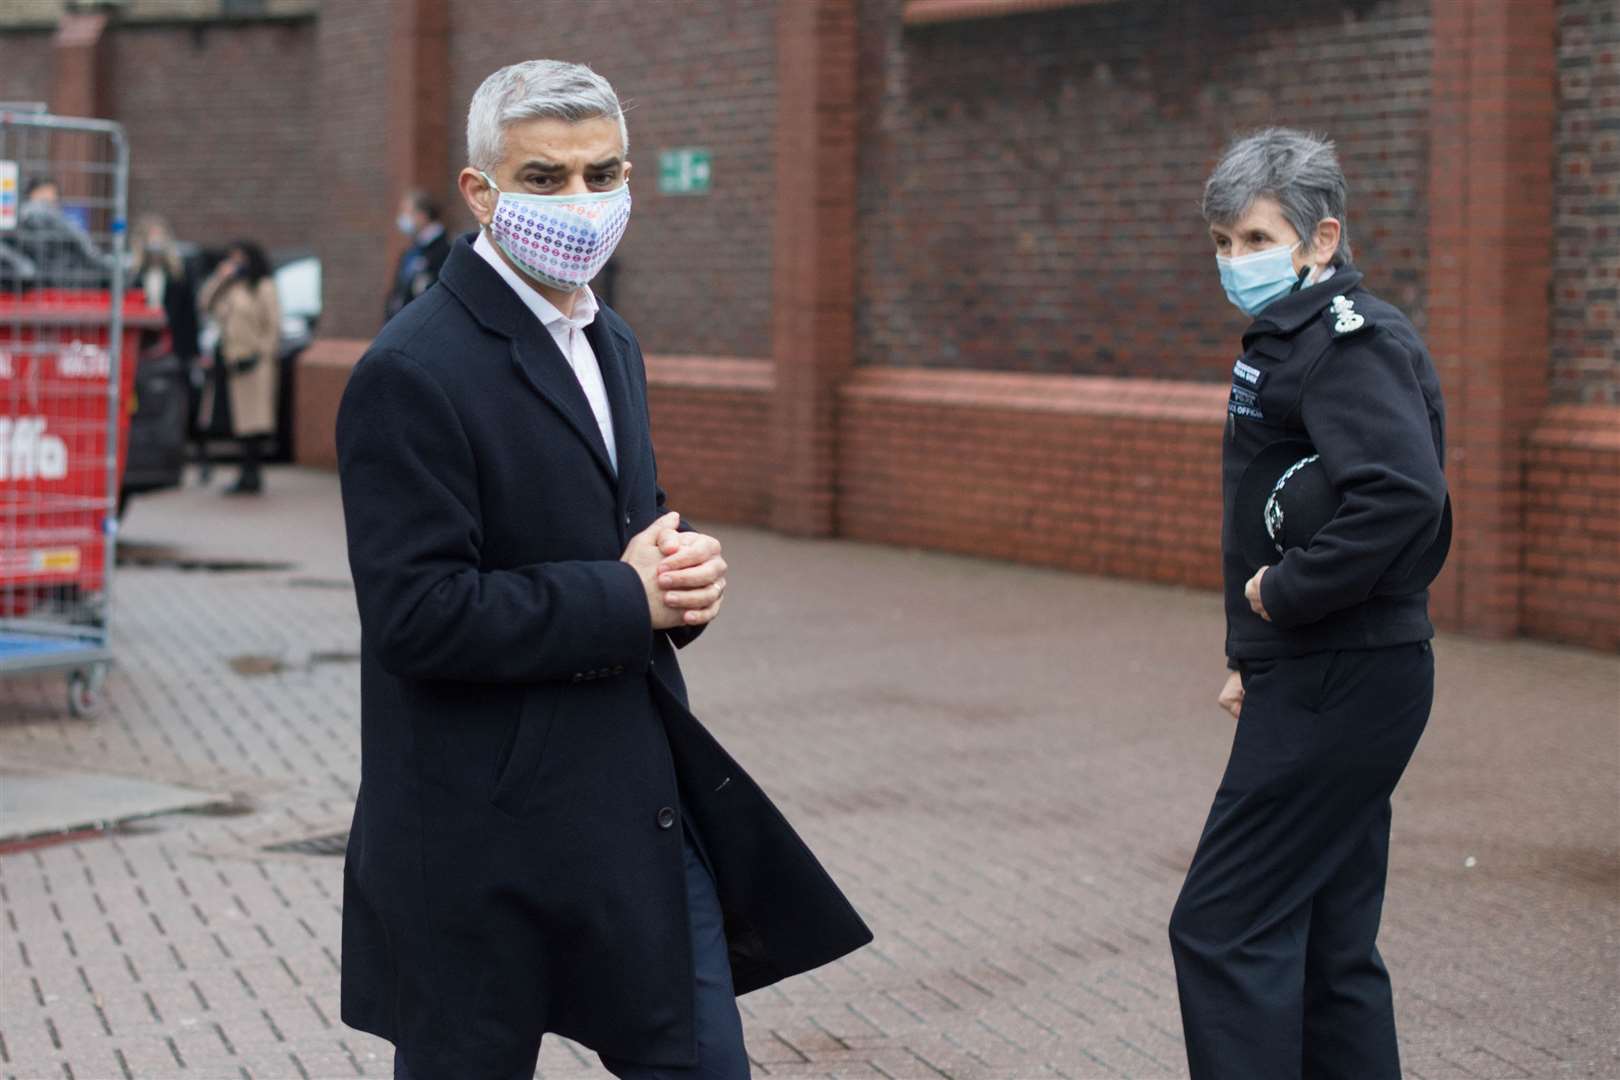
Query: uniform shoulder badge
column 1346, row 319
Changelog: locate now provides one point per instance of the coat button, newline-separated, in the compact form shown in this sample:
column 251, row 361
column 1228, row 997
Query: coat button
column 627, row 521
column 666, row 818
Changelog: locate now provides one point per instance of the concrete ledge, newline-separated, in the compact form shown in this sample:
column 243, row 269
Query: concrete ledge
column 1091, row 394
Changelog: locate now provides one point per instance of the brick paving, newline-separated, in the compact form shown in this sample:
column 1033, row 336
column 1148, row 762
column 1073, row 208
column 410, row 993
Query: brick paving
column 1007, row 769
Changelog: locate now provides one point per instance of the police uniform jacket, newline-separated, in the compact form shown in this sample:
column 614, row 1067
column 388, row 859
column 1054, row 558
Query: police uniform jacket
column 527, row 754
column 1335, row 365
column 419, row 267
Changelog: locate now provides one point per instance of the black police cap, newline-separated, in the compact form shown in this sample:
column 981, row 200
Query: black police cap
column 1283, row 500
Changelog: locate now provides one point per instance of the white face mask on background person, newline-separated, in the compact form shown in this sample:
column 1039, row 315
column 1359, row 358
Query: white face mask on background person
column 559, row 240
column 405, row 224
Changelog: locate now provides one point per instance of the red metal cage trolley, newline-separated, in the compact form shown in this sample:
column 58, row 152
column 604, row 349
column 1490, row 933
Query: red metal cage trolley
column 66, row 375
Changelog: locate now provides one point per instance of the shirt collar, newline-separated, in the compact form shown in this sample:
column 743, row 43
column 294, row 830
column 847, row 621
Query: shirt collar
column 585, row 305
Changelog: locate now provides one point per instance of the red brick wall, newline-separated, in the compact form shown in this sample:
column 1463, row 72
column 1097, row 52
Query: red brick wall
column 1490, row 190
column 813, row 280
column 694, row 271
column 219, row 126
column 1572, row 527
column 1119, row 477
column 1030, row 184
column 323, row 372
column 1586, row 265
column 710, row 421
column 25, row 65
column 355, row 210
column 218, row 119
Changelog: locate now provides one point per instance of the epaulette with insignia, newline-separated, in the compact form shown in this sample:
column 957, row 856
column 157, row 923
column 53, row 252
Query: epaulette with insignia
column 1346, row 319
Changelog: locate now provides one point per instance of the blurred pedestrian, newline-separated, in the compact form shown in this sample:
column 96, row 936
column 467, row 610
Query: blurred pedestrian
column 57, row 251
column 42, row 195
column 1336, row 519
column 160, row 272
column 545, row 839
column 420, row 263
column 240, row 295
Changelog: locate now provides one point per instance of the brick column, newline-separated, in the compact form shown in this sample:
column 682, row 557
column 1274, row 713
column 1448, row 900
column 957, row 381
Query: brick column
column 1493, row 117
column 382, row 73
column 418, row 102
column 79, row 85
column 813, row 274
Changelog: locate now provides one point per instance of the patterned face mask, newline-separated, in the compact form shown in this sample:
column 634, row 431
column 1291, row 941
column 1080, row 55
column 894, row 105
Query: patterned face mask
column 560, row 240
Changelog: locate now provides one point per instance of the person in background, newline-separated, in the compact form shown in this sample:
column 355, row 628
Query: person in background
column 60, row 254
column 160, row 273
column 42, row 194
column 157, row 269
column 420, row 263
column 240, row 295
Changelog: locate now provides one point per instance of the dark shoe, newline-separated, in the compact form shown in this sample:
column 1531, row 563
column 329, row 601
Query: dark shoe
column 246, row 486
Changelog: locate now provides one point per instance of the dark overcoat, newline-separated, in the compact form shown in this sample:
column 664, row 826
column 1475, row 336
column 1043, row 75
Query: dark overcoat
column 527, row 753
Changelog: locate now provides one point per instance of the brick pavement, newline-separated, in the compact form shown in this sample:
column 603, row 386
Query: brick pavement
column 1007, row 768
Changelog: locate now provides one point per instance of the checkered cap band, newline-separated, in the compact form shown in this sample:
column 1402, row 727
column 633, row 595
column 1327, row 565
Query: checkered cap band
column 1274, row 510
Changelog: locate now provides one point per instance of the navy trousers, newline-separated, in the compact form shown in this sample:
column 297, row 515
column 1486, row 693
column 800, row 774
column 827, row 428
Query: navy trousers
column 721, row 1055
column 1275, row 932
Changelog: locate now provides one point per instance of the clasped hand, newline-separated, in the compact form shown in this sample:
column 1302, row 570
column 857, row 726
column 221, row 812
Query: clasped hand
column 683, row 573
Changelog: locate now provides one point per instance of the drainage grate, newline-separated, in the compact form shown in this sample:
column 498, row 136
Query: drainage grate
column 330, row 844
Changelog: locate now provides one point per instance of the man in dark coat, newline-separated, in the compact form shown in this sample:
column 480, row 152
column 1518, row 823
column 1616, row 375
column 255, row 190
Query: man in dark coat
column 1275, row 932
column 420, row 263
column 545, row 838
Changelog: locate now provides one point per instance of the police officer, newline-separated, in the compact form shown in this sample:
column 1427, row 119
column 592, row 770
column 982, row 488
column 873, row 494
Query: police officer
column 1274, row 934
column 420, row 263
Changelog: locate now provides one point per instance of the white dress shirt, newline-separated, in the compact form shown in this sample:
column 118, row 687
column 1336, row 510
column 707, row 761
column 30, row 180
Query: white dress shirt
column 568, row 331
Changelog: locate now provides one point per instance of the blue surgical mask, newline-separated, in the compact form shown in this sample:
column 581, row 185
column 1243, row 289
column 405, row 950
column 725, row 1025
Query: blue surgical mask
column 1252, row 281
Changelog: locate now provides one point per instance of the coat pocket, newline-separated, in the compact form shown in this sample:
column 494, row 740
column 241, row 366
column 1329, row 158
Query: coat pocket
column 515, row 778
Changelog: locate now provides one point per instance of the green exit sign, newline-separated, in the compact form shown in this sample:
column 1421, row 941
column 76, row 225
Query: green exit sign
column 684, row 171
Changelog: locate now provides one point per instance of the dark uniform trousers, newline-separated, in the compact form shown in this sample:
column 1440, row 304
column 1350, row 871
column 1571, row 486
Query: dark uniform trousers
column 721, row 1055
column 1275, row 932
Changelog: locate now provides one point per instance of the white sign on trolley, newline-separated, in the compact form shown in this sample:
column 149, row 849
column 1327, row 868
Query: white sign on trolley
column 9, row 195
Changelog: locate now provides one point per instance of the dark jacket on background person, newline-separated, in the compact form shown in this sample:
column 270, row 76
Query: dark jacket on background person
column 179, row 302
column 418, row 268
column 1368, row 399
column 55, row 251
column 527, row 754
column 180, row 312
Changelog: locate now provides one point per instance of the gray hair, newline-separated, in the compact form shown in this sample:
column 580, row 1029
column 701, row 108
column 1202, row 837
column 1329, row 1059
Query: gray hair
column 533, row 90
column 1298, row 170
